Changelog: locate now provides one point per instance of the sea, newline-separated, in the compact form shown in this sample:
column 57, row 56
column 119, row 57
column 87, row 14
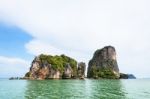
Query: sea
column 75, row 89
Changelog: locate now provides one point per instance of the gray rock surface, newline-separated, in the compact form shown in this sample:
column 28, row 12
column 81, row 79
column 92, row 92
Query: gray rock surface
column 81, row 70
column 103, row 64
column 67, row 72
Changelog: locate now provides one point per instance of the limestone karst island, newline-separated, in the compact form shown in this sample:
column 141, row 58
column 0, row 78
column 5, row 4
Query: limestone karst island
column 103, row 65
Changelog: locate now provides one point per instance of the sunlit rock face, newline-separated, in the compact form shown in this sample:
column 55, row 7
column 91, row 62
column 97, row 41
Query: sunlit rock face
column 42, row 70
column 35, row 67
column 104, row 64
column 52, row 67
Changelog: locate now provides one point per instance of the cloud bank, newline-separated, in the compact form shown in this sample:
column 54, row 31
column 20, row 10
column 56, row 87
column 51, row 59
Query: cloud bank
column 10, row 67
column 79, row 27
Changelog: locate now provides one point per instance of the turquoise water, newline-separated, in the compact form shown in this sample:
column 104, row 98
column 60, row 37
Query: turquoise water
column 75, row 89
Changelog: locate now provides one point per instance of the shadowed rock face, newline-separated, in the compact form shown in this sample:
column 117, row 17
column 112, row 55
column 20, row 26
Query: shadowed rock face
column 104, row 64
column 68, row 71
column 81, row 70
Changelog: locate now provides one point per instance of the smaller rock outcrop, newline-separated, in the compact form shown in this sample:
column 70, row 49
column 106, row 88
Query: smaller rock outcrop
column 14, row 78
column 81, row 70
column 127, row 76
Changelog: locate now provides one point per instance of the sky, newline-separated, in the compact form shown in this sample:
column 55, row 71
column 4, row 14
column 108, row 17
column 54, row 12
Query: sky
column 76, row 28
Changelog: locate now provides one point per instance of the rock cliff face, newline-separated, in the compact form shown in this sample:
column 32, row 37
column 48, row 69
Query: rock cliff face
column 55, row 67
column 42, row 70
column 68, row 72
column 81, row 70
column 52, row 67
column 104, row 64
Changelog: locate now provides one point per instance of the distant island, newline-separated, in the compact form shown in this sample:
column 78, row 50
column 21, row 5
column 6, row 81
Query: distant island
column 103, row 65
column 55, row 67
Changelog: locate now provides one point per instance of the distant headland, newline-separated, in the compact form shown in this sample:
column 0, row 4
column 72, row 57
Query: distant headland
column 103, row 65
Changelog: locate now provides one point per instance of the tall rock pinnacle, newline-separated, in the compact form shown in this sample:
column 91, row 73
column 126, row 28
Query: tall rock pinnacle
column 104, row 64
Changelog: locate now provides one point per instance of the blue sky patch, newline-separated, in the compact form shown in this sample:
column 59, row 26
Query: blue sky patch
column 12, row 41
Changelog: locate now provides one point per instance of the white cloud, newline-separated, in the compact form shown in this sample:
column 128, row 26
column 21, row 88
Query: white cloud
column 11, row 67
column 79, row 27
column 37, row 47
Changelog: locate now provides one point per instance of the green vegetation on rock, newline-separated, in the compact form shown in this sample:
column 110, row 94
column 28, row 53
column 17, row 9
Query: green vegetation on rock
column 101, row 73
column 59, row 62
column 27, row 74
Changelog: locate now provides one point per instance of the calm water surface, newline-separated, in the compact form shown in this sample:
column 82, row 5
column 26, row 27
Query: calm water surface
column 75, row 89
